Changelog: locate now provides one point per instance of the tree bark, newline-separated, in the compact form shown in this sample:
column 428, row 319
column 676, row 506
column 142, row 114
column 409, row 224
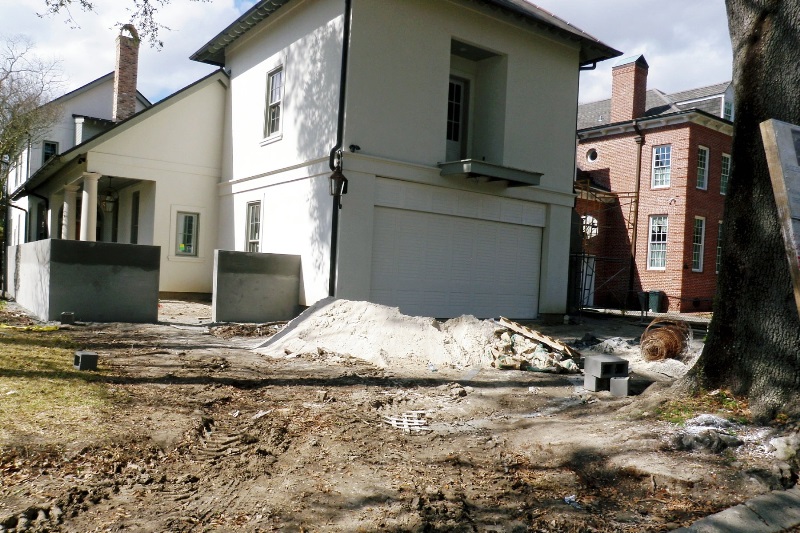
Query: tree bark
column 753, row 344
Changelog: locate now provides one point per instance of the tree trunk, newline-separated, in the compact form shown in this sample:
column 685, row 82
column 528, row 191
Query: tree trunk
column 753, row 345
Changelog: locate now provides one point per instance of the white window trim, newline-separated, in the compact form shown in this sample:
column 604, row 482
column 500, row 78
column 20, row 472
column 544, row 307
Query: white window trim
column 247, row 240
column 202, row 247
column 698, row 267
column 653, row 168
column 650, row 242
column 48, row 142
column 269, row 138
column 727, row 176
column 719, row 249
column 703, row 173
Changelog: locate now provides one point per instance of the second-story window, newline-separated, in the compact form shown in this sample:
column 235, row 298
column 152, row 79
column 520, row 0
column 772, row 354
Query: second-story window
column 49, row 149
column 662, row 164
column 702, row 167
column 726, row 173
column 272, row 119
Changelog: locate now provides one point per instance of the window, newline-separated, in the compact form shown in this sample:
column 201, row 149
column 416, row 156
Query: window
column 591, row 155
column 698, row 243
column 657, row 250
column 49, row 149
column 726, row 173
column 702, row 167
column 272, row 120
column 187, row 233
column 457, row 105
column 253, row 226
column 727, row 114
column 719, row 247
column 662, row 160
column 135, row 218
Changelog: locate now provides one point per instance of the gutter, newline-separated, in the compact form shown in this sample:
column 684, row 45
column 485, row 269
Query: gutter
column 335, row 160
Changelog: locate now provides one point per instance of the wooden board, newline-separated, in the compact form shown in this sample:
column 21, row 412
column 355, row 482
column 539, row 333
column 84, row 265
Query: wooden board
column 782, row 147
column 539, row 337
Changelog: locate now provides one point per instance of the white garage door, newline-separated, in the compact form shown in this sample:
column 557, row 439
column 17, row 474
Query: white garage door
column 442, row 265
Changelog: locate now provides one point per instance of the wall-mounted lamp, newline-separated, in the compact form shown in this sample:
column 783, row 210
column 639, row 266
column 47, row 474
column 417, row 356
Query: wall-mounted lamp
column 337, row 180
column 109, row 198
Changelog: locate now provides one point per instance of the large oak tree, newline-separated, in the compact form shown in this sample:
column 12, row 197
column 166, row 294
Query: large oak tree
column 753, row 345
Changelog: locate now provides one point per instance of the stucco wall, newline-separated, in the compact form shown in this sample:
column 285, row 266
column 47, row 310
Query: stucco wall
column 305, row 39
column 400, row 65
column 101, row 282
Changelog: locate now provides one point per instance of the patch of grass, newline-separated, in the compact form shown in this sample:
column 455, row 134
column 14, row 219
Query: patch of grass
column 43, row 399
column 719, row 402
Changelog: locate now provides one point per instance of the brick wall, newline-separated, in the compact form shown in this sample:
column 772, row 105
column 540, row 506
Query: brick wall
column 684, row 289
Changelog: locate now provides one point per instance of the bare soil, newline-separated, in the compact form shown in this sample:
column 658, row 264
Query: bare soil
column 212, row 436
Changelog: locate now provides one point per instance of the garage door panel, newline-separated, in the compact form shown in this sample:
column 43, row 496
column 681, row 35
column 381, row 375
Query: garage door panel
column 439, row 265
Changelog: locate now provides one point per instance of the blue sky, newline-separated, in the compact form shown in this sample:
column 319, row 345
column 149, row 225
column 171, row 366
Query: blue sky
column 685, row 41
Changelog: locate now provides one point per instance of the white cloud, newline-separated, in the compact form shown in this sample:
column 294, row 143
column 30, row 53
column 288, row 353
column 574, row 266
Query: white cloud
column 88, row 51
column 685, row 42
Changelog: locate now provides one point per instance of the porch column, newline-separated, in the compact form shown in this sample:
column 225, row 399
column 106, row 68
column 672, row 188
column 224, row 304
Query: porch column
column 68, row 220
column 89, row 207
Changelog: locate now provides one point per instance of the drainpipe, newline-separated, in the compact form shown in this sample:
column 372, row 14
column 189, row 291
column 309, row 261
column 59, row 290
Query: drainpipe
column 335, row 154
column 640, row 144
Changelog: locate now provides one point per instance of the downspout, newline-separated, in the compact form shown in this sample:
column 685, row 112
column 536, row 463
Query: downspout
column 640, row 142
column 335, row 160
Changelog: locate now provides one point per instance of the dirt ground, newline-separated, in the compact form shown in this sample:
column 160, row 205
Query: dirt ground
column 215, row 437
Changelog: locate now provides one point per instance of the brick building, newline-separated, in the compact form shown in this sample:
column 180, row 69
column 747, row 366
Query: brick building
column 651, row 181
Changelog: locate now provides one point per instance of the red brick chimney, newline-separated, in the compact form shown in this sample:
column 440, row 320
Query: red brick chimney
column 125, row 73
column 629, row 88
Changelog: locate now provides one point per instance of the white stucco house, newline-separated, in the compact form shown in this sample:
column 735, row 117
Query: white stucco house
column 448, row 125
column 149, row 175
column 84, row 113
column 453, row 122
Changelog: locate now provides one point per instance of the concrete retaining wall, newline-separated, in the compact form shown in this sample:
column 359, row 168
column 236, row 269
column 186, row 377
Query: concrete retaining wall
column 255, row 287
column 99, row 282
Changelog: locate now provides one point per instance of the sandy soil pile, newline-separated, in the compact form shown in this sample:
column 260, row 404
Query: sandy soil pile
column 383, row 336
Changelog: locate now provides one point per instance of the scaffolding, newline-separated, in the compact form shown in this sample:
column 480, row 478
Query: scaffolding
column 603, row 212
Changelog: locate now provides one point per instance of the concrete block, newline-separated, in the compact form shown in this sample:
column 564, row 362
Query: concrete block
column 67, row 318
column 594, row 383
column 605, row 366
column 619, row 386
column 85, row 361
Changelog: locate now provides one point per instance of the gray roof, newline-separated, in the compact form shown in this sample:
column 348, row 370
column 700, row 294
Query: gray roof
column 708, row 99
column 592, row 50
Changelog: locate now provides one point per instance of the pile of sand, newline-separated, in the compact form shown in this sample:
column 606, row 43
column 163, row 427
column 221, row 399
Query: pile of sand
column 384, row 336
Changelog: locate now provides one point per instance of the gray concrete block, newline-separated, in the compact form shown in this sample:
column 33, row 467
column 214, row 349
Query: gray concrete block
column 255, row 287
column 619, row 386
column 780, row 508
column 605, row 366
column 85, row 361
column 594, row 383
column 734, row 520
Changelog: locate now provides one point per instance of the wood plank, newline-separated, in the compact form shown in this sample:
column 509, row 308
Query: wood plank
column 539, row 337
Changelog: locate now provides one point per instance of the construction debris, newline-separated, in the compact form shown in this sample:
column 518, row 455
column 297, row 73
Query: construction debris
column 530, row 350
column 409, row 422
column 540, row 337
column 665, row 339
